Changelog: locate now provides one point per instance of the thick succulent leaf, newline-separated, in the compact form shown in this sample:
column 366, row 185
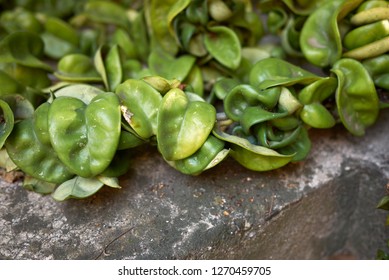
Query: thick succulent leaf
column 158, row 15
column 183, row 125
column 174, row 11
column 140, row 35
column 161, row 84
column 243, row 96
column 384, row 203
column 20, row 19
column 29, row 77
column 20, row 106
column 33, row 157
column 112, row 182
column 195, row 80
column 38, row 186
column 109, row 65
column 320, row 39
column 119, row 166
column 129, row 140
column 253, row 157
column 223, row 86
column 77, row 187
column 77, row 131
column 6, row 162
column 7, row 122
column 107, row 12
column 23, row 48
column 356, row 96
column 255, row 115
column 83, row 92
column 269, row 139
column 378, row 69
column 77, row 68
column 9, row 84
column 163, row 64
column 60, row 38
column 366, row 34
column 140, row 104
column 303, row 7
column 300, row 147
column 317, row 116
column 223, row 44
column 318, row 91
column 271, row 72
column 211, row 153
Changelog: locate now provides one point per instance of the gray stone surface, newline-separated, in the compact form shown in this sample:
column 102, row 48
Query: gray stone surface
column 318, row 209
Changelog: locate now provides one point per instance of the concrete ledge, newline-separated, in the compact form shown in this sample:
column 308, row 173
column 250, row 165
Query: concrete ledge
column 317, row 209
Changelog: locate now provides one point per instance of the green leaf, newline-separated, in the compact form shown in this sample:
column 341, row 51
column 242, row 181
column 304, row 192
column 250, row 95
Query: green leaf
column 60, row 38
column 276, row 140
column 223, row 44
column 158, row 15
column 174, row 11
column 109, row 65
column 77, row 68
column 163, row 64
column 77, row 131
column 38, row 186
column 129, row 140
column 109, row 181
column 320, row 39
column 183, row 125
column 33, row 157
column 24, row 48
column 317, row 116
column 384, row 203
column 107, row 12
column 300, row 147
column 211, row 153
column 83, row 92
column 356, row 96
column 20, row 106
column 223, row 86
column 377, row 68
column 113, row 67
column 318, row 91
column 78, row 187
column 9, row 84
column 119, row 166
column 270, row 72
column 253, row 157
column 122, row 38
column 139, row 104
column 29, row 77
column 195, row 80
column 303, row 7
column 243, row 96
column 7, row 122
column 255, row 115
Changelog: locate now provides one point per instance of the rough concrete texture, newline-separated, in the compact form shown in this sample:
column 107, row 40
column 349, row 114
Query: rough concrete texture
column 318, row 209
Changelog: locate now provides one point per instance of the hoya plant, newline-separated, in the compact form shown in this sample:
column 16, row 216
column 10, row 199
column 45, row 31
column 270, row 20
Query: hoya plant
column 84, row 83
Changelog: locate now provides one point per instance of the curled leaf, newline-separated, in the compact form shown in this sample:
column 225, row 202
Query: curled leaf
column 223, row 44
column 356, row 96
column 78, row 187
column 7, row 122
column 253, row 157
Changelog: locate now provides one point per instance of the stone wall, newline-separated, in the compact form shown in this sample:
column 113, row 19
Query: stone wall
column 321, row 208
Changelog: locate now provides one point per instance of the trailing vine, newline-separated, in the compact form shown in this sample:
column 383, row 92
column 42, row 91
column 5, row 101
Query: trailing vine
column 84, row 82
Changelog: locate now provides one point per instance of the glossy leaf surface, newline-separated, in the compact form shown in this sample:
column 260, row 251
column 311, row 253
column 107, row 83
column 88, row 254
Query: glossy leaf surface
column 356, row 96
column 183, row 125
column 77, row 131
